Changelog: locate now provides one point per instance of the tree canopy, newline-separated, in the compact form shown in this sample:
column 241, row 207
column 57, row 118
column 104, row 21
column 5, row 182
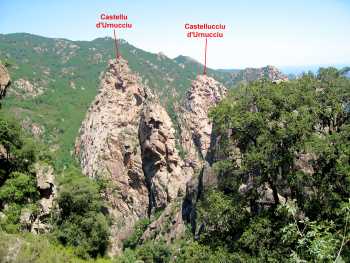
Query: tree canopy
column 291, row 177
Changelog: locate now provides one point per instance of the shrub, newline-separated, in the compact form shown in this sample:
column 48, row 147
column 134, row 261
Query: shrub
column 134, row 239
column 154, row 252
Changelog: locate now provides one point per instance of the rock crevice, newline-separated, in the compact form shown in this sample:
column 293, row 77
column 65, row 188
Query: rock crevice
column 164, row 170
column 128, row 138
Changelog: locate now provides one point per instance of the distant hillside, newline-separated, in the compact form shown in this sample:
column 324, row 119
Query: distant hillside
column 346, row 72
column 251, row 74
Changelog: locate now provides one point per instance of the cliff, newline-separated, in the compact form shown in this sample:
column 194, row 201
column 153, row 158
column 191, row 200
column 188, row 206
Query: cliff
column 128, row 139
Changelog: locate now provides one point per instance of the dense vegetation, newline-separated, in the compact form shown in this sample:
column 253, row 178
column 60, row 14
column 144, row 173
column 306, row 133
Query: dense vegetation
column 77, row 223
column 17, row 180
column 305, row 216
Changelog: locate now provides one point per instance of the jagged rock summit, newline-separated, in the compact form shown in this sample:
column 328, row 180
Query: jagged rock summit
column 205, row 93
column 128, row 139
column 108, row 147
column 196, row 139
column 250, row 74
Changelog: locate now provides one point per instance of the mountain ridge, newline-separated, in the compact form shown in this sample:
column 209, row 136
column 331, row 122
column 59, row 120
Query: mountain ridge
column 55, row 80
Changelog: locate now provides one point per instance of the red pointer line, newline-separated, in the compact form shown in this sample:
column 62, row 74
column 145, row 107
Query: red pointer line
column 117, row 55
column 205, row 57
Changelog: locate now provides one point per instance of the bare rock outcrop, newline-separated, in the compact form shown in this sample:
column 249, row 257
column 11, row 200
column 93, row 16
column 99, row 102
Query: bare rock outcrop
column 45, row 179
column 108, row 147
column 205, row 92
column 164, row 170
column 44, row 176
column 4, row 81
column 196, row 139
column 38, row 221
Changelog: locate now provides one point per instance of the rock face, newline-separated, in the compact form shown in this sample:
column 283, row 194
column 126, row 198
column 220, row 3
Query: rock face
column 204, row 93
column 45, row 179
column 4, row 84
column 128, row 138
column 108, row 147
column 165, row 173
column 196, row 139
column 38, row 222
column 4, row 81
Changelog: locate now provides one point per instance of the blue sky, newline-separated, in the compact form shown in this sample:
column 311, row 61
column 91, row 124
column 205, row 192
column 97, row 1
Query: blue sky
column 281, row 33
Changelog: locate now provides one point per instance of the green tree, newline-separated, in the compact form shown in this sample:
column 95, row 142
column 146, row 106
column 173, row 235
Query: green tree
column 79, row 221
column 19, row 188
column 154, row 252
column 222, row 219
column 17, row 153
column 274, row 126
